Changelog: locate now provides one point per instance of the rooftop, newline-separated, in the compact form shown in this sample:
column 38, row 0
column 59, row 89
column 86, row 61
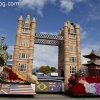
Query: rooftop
column 93, row 53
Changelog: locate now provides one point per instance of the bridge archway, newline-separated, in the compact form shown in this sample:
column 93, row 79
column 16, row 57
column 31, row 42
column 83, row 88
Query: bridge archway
column 62, row 73
column 68, row 42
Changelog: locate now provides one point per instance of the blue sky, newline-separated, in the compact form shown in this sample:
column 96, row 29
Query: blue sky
column 50, row 17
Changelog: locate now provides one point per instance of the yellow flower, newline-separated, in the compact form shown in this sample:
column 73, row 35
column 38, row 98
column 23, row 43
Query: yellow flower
column 19, row 76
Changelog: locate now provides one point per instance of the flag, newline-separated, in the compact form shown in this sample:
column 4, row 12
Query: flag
column 5, row 88
column 55, row 86
column 0, row 86
column 42, row 87
column 21, row 89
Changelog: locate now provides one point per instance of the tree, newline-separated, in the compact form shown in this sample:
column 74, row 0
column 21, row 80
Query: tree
column 10, row 56
column 48, row 70
column 53, row 69
column 45, row 69
column 42, row 69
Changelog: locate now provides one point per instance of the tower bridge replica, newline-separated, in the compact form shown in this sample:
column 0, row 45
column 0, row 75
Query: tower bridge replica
column 69, row 54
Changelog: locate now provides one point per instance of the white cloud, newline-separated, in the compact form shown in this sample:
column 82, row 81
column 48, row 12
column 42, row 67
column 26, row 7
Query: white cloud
column 53, row 1
column 86, row 49
column 78, row 0
column 36, row 5
column 45, row 55
column 94, row 12
column 83, row 33
column 67, row 5
column 95, row 16
column 10, row 49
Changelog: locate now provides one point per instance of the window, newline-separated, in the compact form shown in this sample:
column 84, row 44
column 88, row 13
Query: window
column 26, row 30
column 23, row 55
column 72, row 59
column 24, row 43
column 21, row 67
column 62, row 60
column 27, row 44
column 72, row 31
column 72, row 36
column 26, row 25
column 26, row 55
column 72, row 69
column 19, row 55
column 72, row 48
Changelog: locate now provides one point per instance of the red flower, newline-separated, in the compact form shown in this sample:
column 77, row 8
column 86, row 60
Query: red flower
column 78, row 89
column 12, row 75
column 91, row 79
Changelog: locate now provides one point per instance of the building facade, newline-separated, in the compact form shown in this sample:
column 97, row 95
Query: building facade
column 68, row 42
column 24, row 46
column 69, row 58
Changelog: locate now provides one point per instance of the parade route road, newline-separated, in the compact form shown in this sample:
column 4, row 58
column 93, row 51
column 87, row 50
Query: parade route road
column 44, row 97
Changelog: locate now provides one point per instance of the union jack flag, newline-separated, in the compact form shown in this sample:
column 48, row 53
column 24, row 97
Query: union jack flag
column 52, row 84
column 55, row 86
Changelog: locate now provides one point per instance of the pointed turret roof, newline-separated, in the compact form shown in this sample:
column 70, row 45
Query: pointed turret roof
column 65, row 24
column 60, row 32
column 20, row 18
column 77, row 26
column 34, row 19
column 93, row 53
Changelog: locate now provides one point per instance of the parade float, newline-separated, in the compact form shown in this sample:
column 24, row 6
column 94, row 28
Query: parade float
column 83, row 86
column 11, row 82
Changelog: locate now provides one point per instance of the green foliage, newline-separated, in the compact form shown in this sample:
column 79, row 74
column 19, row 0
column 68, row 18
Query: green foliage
column 53, row 69
column 42, row 69
column 47, row 69
column 10, row 57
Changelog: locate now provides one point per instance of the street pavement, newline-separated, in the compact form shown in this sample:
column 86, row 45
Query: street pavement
column 44, row 97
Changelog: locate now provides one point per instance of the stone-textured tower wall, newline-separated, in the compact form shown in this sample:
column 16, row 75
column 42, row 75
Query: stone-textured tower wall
column 77, row 29
column 61, row 59
column 16, row 46
column 24, row 47
column 31, row 50
column 70, row 56
column 66, row 54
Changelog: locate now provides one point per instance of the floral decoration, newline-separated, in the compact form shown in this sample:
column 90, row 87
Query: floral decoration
column 8, row 76
column 84, row 86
